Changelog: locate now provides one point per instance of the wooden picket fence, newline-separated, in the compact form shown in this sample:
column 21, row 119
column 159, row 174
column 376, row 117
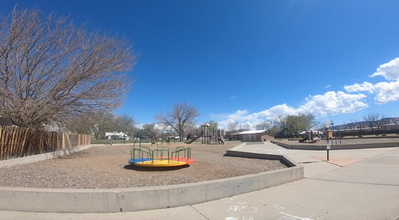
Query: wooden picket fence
column 21, row 142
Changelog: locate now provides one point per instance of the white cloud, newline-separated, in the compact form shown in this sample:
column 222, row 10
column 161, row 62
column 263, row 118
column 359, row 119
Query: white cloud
column 333, row 103
column 238, row 114
column 320, row 105
column 275, row 111
column 390, row 70
column 364, row 87
column 327, row 86
column 386, row 92
column 233, row 98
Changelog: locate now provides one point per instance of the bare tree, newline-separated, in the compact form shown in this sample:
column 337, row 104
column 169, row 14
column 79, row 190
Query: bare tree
column 192, row 129
column 372, row 119
column 153, row 128
column 354, row 123
column 125, row 124
column 179, row 118
column 266, row 125
column 233, row 126
column 52, row 70
column 213, row 125
column 96, row 124
column 382, row 123
column 81, row 125
column 149, row 126
column 245, row 127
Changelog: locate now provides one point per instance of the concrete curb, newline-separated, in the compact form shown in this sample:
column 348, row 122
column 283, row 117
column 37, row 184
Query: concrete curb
column 40, row 157
column 335, row 147
column 145, row 198
column 283, row 158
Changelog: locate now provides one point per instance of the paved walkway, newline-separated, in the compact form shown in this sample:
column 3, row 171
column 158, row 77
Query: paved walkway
column 354, row 184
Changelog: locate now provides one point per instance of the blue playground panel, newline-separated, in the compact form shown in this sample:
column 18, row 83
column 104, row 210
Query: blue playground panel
column 138, row 160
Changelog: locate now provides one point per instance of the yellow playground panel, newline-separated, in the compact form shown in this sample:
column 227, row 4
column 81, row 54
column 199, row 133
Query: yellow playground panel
column 160, row 157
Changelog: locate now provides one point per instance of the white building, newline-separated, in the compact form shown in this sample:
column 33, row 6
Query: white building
column 116, row 136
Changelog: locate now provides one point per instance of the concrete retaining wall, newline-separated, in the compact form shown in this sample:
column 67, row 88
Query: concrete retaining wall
column 40, row 157
column 283, row 158
column 134, row 199
column 144, row 198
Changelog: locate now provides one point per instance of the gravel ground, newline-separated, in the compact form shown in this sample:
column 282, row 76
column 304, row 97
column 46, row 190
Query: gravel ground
column 105, row 167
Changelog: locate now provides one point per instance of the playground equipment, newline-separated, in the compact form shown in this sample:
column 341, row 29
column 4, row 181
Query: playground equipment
column 160, row 157
column 310, row 137
column 208, row 136
column 169, row 135
column 145, row 134
column 194, row 139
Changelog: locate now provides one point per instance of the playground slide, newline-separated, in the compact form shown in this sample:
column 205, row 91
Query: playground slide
column 192, row 140
column 221, row 140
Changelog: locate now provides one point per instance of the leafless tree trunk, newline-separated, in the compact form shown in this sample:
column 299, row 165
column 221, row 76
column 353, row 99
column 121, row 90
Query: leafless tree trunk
column 179, row 118
column 96, row 124
column 353, row 125
column 266, row 125
column 213, row 125
column 372, row 119
column 245, row 127
column 154, row 129
column 233, row 126
column 125, row 124
column 382, row 122
column 52, row 70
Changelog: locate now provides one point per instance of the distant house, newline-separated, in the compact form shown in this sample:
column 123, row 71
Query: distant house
column 6, row 122
column 116, row 136
column 255, row 136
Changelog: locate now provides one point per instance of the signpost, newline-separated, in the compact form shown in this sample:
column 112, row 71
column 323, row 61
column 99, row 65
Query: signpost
column 328, row 147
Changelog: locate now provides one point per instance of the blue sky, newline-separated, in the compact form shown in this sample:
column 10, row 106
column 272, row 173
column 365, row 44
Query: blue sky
column 251, row 61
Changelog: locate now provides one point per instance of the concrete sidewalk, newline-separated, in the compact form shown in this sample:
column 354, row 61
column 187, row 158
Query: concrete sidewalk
column 354, row 184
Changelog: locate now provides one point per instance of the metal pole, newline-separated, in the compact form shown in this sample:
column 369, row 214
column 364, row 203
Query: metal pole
column 328, row 150
column 328, row 155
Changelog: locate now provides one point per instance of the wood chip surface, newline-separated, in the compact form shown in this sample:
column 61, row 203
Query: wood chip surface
column 106, row 167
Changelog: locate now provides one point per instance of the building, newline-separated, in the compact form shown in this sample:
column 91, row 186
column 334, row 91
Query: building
column 116, row 136
column 255, row 136
column 233, row 136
